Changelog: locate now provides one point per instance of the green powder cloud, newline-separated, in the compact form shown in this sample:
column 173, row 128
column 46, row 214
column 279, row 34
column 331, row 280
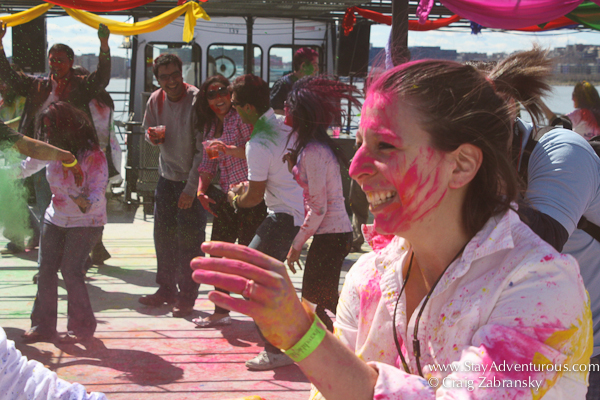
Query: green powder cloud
column 14, row 215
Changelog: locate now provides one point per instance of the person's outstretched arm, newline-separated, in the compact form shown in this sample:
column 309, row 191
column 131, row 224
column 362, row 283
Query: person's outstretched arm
column 271, row 301
column 95, row 82
column 24, row 378
column 550, row 115
column 42, row 151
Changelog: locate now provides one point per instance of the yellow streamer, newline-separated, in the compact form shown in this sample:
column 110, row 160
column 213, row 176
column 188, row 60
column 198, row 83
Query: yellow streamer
column 25, row 16
column 192, row 11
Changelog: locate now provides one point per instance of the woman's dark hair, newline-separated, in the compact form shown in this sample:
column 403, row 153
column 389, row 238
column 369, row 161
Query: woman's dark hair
column 459, row 104
column 206, row 116
column 314, row 105
column 587, row 97
column 69, row 128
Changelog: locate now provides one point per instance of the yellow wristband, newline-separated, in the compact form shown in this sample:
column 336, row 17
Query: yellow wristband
column 71, row 164
column 234, row 202
column 309, row 342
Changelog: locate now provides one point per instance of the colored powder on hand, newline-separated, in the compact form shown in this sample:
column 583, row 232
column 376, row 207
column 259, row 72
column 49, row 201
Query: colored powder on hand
column 14, row 214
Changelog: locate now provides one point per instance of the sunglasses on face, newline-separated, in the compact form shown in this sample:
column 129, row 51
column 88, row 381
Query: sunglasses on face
column 236, row 104
column 166, row 77
column 212, row 94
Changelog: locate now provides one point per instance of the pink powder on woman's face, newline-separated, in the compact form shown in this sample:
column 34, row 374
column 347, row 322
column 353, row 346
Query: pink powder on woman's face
column 396, row 156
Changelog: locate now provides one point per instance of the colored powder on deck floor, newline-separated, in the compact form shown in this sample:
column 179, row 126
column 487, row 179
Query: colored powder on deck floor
column 14, row 214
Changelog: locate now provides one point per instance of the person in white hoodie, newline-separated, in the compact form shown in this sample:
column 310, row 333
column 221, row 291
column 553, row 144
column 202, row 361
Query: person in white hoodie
column 23, row 379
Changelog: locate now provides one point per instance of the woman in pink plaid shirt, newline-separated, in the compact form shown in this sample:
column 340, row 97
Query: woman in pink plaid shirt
column 222, row 124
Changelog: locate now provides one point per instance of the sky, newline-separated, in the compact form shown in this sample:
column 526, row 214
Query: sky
column 488, row 41
column 83, row 39
column 80, row 37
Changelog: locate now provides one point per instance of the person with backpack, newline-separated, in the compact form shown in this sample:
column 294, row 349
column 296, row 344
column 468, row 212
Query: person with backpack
column 562, row 198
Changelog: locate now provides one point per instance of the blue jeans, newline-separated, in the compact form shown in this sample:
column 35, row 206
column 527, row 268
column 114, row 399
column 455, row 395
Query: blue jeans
column 274, row 237
column 178, row 235
column 64, row 249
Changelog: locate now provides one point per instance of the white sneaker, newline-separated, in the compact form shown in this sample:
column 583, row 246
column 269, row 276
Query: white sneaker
column 265, row 361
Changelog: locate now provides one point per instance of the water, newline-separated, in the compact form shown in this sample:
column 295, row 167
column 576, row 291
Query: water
column 121, row 100
column 559, row 101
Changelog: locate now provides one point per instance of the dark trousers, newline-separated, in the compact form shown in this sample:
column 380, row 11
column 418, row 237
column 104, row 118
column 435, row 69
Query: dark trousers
column 229, row 226
column 322, row 272
column 593, row 392
column 64, row 249
column 274, row 238
column 178, row 235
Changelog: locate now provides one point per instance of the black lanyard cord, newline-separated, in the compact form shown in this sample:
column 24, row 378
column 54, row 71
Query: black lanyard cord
column 416, row 344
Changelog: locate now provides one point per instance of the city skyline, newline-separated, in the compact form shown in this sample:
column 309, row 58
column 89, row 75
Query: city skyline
column 488, row 41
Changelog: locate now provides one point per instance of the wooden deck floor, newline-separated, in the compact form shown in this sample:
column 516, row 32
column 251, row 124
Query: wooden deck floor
column 141, row 352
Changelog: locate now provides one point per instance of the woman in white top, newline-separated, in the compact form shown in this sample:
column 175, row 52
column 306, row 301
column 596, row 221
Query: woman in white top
column 72, row 224
column 461, row 299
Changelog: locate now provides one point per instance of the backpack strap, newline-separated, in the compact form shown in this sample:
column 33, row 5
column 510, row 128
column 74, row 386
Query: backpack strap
column 529, row 146
column 589, row 227
column 563, row 121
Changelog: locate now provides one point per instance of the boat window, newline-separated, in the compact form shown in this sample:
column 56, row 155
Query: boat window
column 190, row 55
column 228, row 60
column 280, row 61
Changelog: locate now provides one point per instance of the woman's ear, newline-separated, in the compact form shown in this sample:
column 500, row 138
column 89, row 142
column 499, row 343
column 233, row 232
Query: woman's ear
column 467, row 160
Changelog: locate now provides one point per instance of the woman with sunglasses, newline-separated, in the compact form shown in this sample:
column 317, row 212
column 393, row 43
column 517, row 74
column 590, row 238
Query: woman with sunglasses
column 460, row 299
column 222, row 124
column 73, row 223
column 312, row 106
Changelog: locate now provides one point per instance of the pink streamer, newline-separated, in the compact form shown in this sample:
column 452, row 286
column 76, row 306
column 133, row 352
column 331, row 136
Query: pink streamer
column 424, row 8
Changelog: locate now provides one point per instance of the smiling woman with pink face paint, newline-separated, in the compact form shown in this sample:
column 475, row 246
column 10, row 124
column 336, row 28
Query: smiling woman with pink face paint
column 457, row 285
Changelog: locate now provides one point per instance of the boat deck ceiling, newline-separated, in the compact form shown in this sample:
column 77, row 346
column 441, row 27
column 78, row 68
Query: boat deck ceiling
column 314, row 9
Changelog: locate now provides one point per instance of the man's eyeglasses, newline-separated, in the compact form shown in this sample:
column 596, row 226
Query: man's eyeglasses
column 236, row 104
column 167, row 77
column 221, row 92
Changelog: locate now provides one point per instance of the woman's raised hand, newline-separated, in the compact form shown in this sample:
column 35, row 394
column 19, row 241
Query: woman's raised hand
column 270, row 297
column 2, row 29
